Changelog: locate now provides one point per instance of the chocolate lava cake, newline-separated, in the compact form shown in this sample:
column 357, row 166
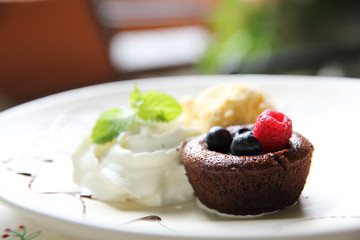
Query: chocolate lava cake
column 247, row 185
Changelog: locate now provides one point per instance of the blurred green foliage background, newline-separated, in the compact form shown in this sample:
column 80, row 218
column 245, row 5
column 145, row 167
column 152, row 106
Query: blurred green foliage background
column 282, row 36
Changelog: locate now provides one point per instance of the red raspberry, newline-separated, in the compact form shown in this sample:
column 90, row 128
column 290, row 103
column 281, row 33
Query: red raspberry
column 273, row 129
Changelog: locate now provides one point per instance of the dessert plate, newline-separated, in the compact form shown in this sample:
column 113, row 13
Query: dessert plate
column 37, row 139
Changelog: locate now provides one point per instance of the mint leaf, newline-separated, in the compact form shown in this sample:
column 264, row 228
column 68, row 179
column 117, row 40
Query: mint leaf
column 158, row 106
column 135, row 97
column 110, row 124
column 152, row 105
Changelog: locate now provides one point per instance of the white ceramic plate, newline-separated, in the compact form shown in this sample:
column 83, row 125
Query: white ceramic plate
column 325, row 110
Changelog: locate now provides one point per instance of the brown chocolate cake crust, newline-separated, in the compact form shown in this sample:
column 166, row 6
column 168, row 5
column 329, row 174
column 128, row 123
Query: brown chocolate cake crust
column 243, row 185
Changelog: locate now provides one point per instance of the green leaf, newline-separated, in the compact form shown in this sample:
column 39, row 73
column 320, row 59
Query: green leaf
column 135, row 97
column 110, row 124
column 158, row 106
column 152, row 106
column 33, row 235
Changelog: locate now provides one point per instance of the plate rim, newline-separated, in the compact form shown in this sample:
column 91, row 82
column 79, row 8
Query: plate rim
column 79, row 93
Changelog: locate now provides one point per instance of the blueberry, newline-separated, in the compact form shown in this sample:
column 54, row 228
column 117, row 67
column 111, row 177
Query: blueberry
column 218, row 139
column 242, row 131
column 245, row 144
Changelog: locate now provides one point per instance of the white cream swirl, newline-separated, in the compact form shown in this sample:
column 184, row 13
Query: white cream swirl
column 142, row 165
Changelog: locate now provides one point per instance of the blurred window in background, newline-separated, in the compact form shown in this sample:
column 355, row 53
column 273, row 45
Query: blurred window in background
column 137, row 51
column 154, row 34
column 141, row 14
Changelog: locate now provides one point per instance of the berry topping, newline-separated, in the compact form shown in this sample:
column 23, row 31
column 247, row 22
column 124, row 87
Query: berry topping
column 273, row 129
column 218, row 139
column 242, row 131
column 245, row 144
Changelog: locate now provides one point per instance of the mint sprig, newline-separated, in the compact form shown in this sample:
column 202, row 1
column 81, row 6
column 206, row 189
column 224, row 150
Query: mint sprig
column 149, row 106
column 155, row 106
column 110, row 124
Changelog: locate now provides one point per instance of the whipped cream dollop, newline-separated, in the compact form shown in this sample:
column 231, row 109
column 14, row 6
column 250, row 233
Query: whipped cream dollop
column 141, row 165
